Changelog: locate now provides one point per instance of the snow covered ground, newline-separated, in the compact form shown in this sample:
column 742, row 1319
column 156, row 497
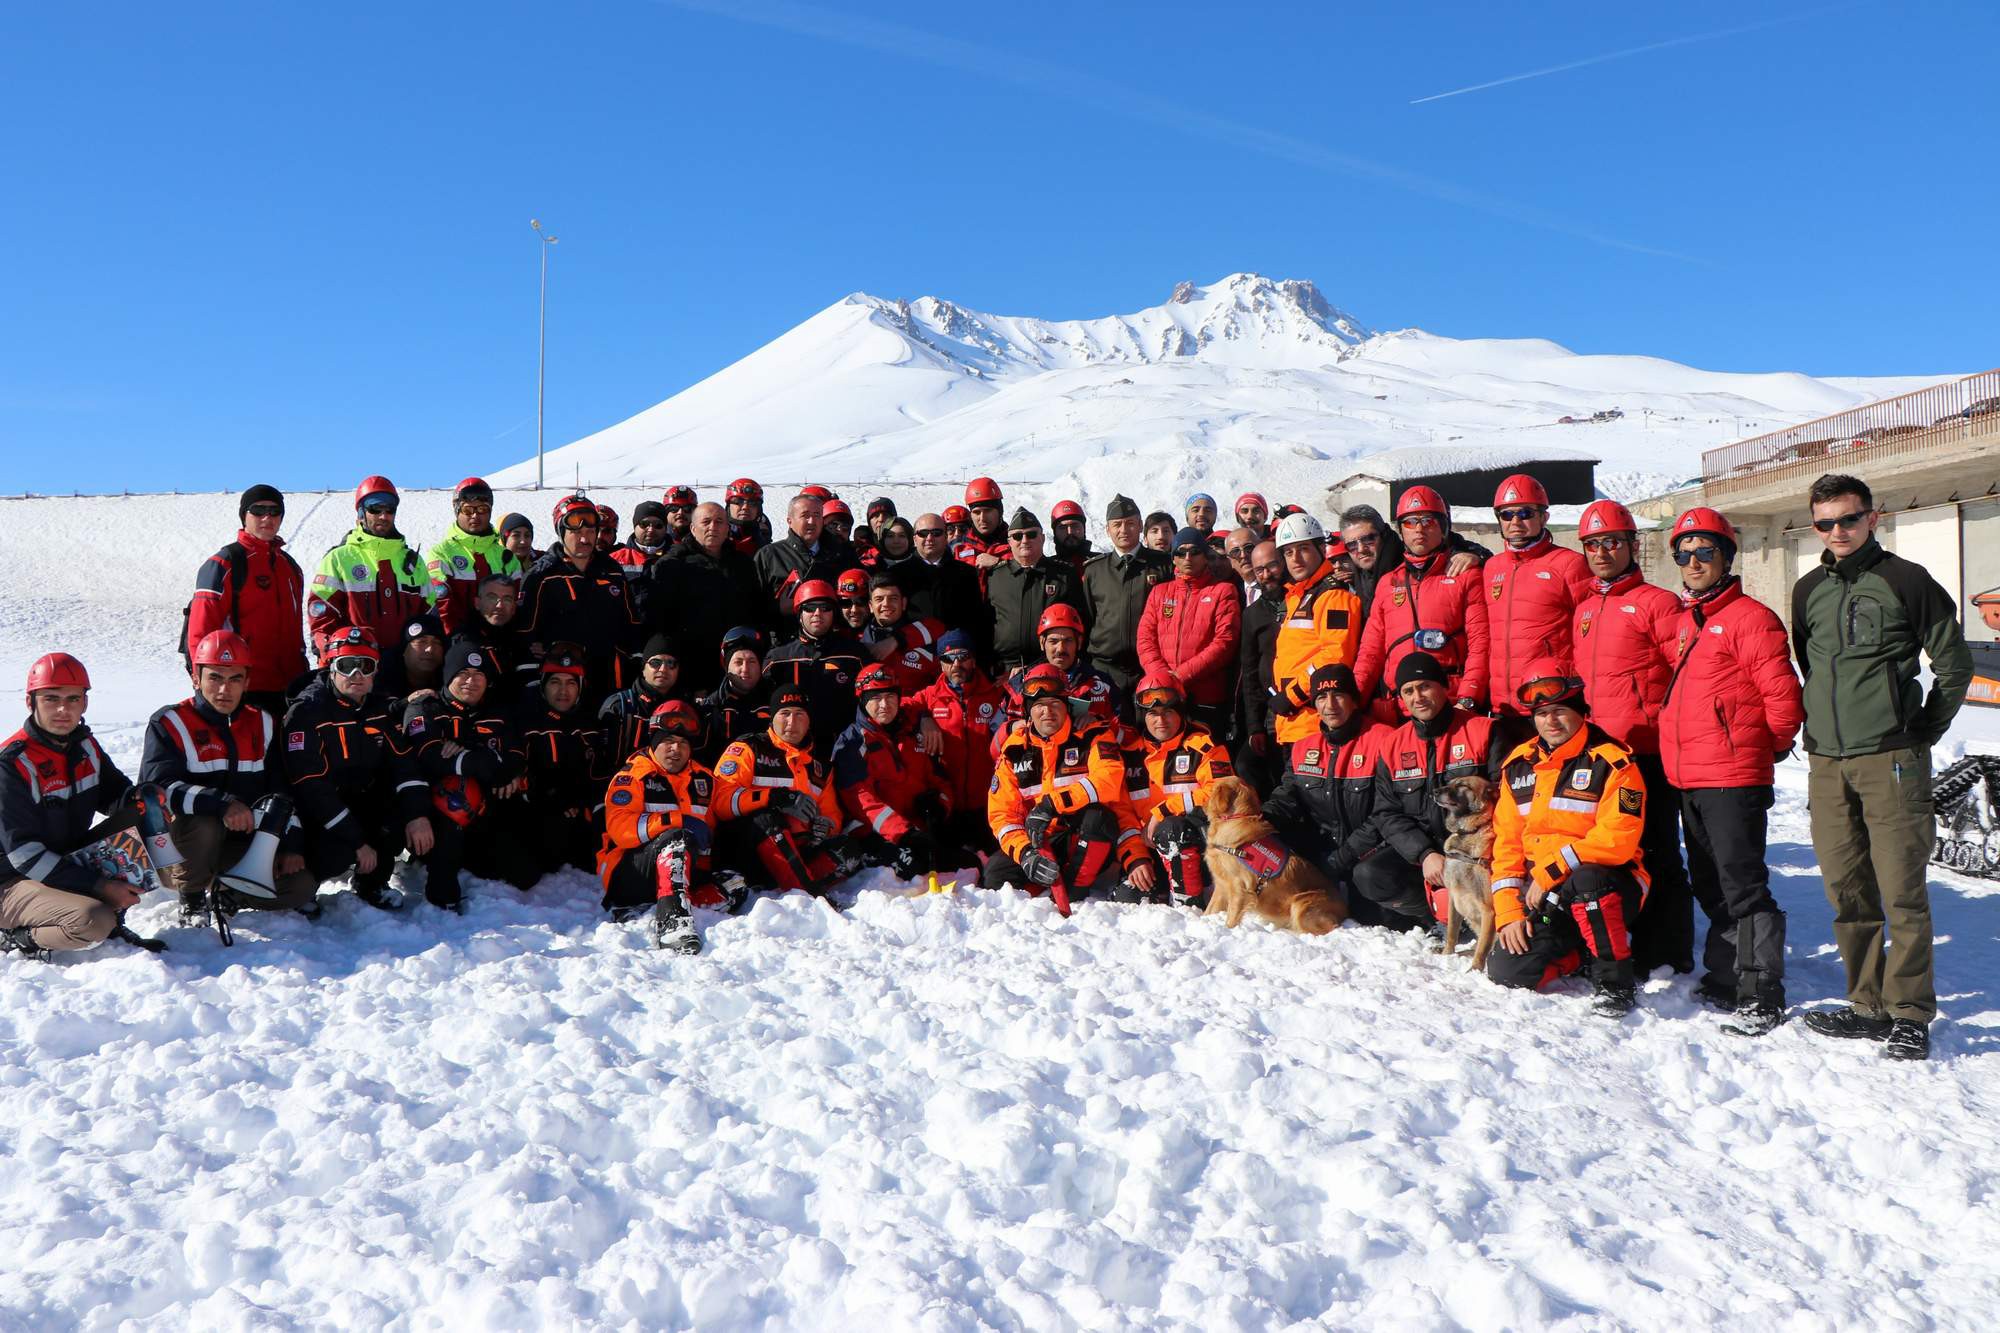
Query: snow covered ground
column 948, row 1113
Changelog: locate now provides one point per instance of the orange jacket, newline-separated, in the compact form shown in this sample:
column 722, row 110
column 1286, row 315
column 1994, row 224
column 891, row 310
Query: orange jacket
column 1179, row 771
column 1322, row 627
column 753, row 768
column 1072, row 769
column 1582, row 804
column 645, row 800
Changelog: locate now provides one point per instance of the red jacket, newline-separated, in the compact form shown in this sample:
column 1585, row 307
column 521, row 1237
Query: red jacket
column 265, row 610
column 1624, row 635
column 1733, row 704
column 1191, row 628
column 1534, row 592
column 969, row 721
column 1418, row 595
column 879, row 774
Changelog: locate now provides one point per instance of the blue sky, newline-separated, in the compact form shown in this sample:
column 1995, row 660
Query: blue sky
column 291, row 242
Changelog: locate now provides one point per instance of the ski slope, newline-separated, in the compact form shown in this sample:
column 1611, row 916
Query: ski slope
column 948, row 1113
column 1243, row 382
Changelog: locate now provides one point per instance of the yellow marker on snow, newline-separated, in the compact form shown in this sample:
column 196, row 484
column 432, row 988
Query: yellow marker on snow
column 935, row 887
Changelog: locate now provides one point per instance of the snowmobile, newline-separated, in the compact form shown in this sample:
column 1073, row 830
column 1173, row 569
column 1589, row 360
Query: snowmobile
column 1967, row 796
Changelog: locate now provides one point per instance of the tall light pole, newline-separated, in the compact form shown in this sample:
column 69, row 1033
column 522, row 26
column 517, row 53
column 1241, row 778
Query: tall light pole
column 542, row 349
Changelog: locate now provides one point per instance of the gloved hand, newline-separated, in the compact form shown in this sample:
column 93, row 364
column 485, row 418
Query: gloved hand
column 802, row 807
column 1039, row 821
column 914, row 855
column 1041, row 868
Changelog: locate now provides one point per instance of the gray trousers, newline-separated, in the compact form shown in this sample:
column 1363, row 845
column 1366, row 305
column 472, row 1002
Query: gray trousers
column 1873, row 825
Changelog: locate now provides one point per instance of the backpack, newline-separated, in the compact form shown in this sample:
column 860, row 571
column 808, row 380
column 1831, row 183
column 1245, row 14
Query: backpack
column 239, row 569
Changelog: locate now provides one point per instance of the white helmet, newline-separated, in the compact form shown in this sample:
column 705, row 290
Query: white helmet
column 1299, row 528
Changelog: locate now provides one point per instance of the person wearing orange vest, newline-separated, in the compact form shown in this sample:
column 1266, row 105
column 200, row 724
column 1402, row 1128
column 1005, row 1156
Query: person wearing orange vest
column 1533, row 587
column 1568, row 877
column 1422, row 606
column 1321, row 626
column 1058, row 805
column 779, row 816
column 1182, row 761
column 659, row 821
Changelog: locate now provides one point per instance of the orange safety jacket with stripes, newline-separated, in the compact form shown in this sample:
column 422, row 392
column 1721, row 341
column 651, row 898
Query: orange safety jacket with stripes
column 645, row 800
column 1179, row 772
column 1071, row 770
column 753, row 769
column 1581, row 804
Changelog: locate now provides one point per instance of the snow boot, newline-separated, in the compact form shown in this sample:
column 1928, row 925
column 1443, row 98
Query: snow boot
column 126, row 935
column 194, row 907
column 1614, row 999
column 21, row 940
column 1755, row 1018
column 1848, row 1024
column 1907, row 1040
column 384, row 897
column 673, row 928
column 1717, row 991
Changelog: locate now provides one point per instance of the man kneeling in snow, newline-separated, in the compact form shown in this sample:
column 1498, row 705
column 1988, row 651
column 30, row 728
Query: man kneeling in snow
column 659, row 817
column 779, row 817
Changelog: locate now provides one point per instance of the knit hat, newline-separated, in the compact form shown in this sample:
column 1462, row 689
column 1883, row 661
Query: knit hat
column 1333, row 678
column 512, row 521
column 1121, row 506
column 790, row 696
column 1188, row 503
column 423, row 624
column 954, row 641
column 1420, row 666
column 466, row 655
column 661, row 644
column 646, row 509
column 1189, row 537
column 259, row 494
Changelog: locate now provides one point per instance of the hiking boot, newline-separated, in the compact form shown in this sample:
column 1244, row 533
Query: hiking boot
column 1848, row 1023
column 21, row 940
column 673, row 928
column 1907, row 1040
column 1717, row 990
column 194, row 907
column 1754, row 1018
column 1614, row 1000
column 385, row 896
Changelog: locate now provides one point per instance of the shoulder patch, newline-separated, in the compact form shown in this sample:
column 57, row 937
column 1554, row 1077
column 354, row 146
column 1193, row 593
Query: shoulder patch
column 1631, row 802
column 727, row 768
column 621, row 797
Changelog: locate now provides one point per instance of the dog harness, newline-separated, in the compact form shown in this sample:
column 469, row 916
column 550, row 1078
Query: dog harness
column 1265, row 859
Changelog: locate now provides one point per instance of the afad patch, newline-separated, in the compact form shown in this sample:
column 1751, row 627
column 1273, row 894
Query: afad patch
column 993, row 787
column 1630, row 802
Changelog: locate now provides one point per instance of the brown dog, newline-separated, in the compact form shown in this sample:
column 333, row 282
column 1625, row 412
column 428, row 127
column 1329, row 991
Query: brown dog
column 1468, row 862
column 1254, row 872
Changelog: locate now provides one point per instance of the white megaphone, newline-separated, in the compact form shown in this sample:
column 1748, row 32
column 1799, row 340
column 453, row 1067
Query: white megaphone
column 160, row 849
column 254, row 873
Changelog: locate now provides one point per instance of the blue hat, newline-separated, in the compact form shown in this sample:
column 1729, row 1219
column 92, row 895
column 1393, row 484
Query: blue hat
column 954, row 641
column 1188, row 537
column 1198, row 495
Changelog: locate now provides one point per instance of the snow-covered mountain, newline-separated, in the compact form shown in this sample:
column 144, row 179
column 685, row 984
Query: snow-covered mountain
column 1244, row 381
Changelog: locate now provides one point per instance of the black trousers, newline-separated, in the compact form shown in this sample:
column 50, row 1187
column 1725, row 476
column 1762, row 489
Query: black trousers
column 1731, row 879
column 1388, row 891
column 1087, row 837
column 1179, row 841
column 1592, row 919
column 1663, row 936
column 1262, row 771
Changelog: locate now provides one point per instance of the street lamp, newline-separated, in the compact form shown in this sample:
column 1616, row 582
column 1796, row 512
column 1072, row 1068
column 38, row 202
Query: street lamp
column 542, row 349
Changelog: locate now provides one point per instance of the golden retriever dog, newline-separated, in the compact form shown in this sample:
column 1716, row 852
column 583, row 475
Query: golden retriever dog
column 1254, row 872
column 1468, row 863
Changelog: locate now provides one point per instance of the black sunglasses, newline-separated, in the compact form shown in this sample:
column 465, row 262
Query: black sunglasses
column 379, row 507
column 1846, row 522
column 1516, row 515
column 930, row 532
column 1708, row 555
column 266, row 509
column 659, row 662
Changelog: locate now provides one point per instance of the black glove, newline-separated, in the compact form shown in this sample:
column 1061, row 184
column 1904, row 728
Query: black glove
column 914, row 855
column 1039, row 820
column 1041, row 868
column 802, row 807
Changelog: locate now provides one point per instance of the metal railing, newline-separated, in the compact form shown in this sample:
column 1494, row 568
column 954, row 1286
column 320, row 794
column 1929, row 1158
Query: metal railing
column 1928, row 417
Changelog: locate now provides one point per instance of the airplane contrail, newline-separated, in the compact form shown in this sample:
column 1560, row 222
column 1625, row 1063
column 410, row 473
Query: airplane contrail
column 1133, row 103
column 1628, row 51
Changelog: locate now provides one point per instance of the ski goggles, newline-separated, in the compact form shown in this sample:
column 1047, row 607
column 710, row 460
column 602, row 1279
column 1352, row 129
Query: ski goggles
column 352, row 666
column 1430, row 640
column 1158, row 697
column 1041, row 689
column 685, row 727
column 1551, row 690
column 1846, row 522
column 576, row 520
column 1708, row 555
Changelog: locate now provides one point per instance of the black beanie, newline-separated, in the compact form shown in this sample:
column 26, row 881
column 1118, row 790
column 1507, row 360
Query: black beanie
column 1420, row 666
column 512, row 521
column 1121, row 506
column 259, row 494
column 646, row 509
column 660, row 644
column 467, row 655
column 1333, row 677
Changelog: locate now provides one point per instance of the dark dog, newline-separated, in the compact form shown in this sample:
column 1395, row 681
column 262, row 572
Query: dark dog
column 1468, row 863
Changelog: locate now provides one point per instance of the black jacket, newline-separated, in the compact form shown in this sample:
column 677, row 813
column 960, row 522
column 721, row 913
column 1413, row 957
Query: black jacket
column 1255, row 652
column 568, row 761
column 340, row 754
column 1019, row 596
column 51, row 791
column 947, row 591
column 826, row 668
column 727, row 716
column 591, row 609
column 697, row 598
column 1325, row 805
column 785, row 564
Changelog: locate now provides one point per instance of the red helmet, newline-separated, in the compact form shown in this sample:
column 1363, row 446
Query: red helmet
column 1060, row 616
column 1520, row 489
column 57, row 671
column 573, row 504
column 1065, row 509
column 607, row 516
column 744, row 489
column 853, row 585
column 836, row 506
column 354, row 641
column 1039, row 682
column 982, row 491
column 675, row 717
column 1708, row 523
column 1551, row 680
column 458, row 799
column 1421, row 500
column 1605, row 516
column 957, row 514
column 1159, row 689
column 374, row 486
column 876, row 679
column 812, row 590
column 472, row 488
column 222, row 648
column 817, row 492
column 679, row 497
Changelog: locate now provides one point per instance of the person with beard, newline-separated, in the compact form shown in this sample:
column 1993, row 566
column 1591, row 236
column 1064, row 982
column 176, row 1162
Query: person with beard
column 985, row 546
column 942, row 588
column 701, row 587
column 626, row 714
column 957, row 524
column 807, row 553
column 969, row 709
column 416, row 658
column 1259, row 757
column 565, row 753
column 741, row 703
column 851, row 589
column 1200, row 513
column 1115, row 586
column 577, row 594
column 1071, row 541
column 1375, row 549
column 749, row 528
column 1253, row 511
column 678, row 504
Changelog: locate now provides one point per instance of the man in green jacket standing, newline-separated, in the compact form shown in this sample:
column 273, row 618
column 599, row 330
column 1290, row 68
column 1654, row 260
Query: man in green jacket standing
column 1858, row 623
column 464, row 557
